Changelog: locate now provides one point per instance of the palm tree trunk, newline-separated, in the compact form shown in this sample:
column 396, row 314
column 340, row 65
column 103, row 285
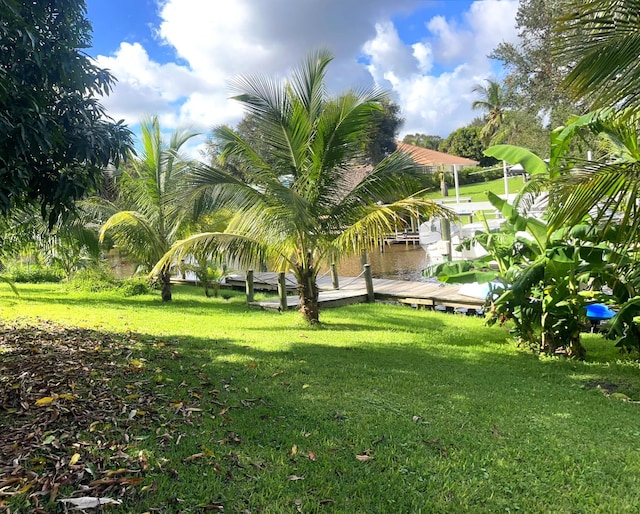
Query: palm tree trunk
column 165, row 284
column 308, row 294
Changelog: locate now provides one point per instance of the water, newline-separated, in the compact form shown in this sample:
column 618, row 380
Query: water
column 397, row 262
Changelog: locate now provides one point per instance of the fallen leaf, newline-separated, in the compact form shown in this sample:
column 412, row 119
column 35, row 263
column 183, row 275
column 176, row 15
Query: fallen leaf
column 312, row 456
column 294, row 478
column 294, row 450
column 74, row 459
column 47, row 400
column 415, row 419
column 496, row 432
column 195, row 456
column 363, row 457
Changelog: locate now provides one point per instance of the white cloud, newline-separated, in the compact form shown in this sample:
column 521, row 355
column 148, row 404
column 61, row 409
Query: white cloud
column 436, row 97
column 214, row 42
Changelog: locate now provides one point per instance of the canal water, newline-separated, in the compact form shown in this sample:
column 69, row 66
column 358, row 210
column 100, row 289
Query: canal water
column 397, row 262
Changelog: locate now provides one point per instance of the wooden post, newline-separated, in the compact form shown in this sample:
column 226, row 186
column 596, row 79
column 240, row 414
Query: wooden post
column 445, row 230
column 334, row 276
column 249, row 285
column 282, row 291
column 369, row 281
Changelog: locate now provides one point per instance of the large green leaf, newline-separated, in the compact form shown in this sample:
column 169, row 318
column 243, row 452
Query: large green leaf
column 531, row 163
column 533, row 226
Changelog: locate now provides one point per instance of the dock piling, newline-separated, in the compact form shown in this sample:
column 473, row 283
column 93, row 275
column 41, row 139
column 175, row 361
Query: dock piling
column 249, row 286
column 282, row 291
column 368, row 278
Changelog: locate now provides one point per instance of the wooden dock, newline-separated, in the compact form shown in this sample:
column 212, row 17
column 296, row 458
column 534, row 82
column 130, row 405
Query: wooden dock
column 353, row 290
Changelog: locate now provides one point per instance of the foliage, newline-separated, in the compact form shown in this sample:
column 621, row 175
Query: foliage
column 493, row 101
column 423, row 140
column 383, row 132
column 466, row 142
column 535, row 74
column 295, row 208
column 55, row 137
column 33, row 273
column 602, row 39
column 152, row 215
column 135, row 286
column 94, row 279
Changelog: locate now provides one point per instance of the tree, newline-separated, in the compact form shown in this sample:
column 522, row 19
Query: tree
column 423, row 140
column 55, row 137
column 383, row 132
column 294, row 211
column 464, row 142
column 535, row 73
column 602, row 39
column 153, row 216
column 493, row 101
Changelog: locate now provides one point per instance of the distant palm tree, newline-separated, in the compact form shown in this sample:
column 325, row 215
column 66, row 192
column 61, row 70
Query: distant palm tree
column 601, row 42
column 294, row 208
column 153, row 216
column 494, row 98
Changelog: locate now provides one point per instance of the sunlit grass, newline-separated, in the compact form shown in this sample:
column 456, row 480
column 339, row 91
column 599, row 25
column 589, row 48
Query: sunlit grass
column 478, row 192
column 379, row 409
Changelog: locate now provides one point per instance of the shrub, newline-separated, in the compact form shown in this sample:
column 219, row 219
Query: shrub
column 94, row 279
column 34, row 273
column 135, row 286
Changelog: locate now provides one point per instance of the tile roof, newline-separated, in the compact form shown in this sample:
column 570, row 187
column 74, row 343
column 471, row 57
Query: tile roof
column 428, row 157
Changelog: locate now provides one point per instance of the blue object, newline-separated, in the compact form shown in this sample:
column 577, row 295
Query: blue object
column 599, row 312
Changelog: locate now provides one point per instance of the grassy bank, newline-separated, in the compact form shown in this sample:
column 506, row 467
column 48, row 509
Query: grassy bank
column 205, row 405
column 478, row 192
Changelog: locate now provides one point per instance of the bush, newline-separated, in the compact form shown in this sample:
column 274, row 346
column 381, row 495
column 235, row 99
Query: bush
column 135, row 286
column 34, row 273
column 94, row 279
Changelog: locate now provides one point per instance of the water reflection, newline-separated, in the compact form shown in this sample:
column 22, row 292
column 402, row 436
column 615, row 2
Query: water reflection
column 398, row 262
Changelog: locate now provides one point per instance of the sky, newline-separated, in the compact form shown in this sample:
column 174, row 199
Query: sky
column 176, row 58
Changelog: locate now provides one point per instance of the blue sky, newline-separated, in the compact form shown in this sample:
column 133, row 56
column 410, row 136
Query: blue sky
column 175, row 58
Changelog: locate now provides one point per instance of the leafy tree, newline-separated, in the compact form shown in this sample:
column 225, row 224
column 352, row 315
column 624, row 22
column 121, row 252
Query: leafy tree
column 153, row 215
column 54, row 135
column 465, row 142
column 493, row 101
column 423, row 140
column 602, row 38
column 295, row 212
column 383, row 132
column 535, row 73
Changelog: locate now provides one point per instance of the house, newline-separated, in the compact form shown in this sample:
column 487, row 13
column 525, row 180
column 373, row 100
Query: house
column 436, row 160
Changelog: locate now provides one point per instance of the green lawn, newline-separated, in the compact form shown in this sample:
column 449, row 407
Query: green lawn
column 206, row 405
column 478, row 192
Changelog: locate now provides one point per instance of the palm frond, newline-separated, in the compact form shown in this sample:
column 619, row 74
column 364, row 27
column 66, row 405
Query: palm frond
column 134, row 232
column 601, row 39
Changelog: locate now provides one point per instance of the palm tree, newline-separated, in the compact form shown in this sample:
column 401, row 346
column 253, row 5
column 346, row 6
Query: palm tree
column 153, row 217
column 493, row 101
column 601, row 42
column 295, row 209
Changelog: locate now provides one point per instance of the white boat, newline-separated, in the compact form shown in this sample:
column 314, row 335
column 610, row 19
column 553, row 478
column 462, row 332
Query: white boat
column 438, row 249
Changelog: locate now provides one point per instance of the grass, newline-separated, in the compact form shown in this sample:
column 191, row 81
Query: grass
column 379, row 409
column 478, row 191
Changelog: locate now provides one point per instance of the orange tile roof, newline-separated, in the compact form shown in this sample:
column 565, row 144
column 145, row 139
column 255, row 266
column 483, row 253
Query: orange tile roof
column 428, row 157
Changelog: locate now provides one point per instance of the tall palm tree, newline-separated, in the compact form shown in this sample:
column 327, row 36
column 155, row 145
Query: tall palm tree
column 153, row 217
column 294, row 210
column 600, row 41
column 493, row 101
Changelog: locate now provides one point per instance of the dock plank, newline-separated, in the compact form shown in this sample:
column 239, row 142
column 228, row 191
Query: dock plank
column 353, row 290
